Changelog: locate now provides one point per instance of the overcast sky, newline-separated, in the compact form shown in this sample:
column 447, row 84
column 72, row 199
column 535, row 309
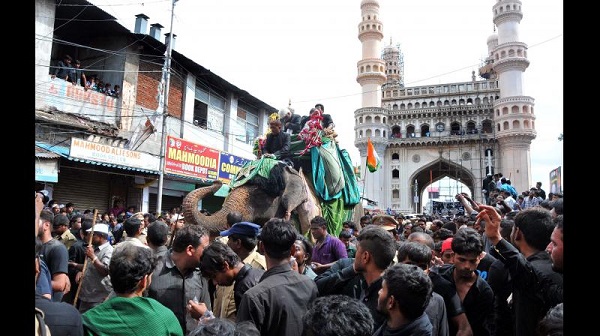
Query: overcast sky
column 307, row 51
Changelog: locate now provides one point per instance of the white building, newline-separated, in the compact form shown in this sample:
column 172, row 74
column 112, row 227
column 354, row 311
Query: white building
column 460, row 130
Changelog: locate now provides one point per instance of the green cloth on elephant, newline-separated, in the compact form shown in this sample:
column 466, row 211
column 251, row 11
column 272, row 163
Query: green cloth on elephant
column 131, row 316
column 335, row 214
column 327, row 173
column 351, row 193
column 261, row 167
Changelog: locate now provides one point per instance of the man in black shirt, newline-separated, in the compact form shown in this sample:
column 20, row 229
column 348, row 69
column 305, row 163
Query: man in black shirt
column 277, row 144
column 360, row 277
column 278, row 302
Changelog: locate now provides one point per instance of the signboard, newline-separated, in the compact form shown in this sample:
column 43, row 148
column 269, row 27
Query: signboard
column 87, row 150
column 555, row 181
column 46, row 170
column 191, row 160
column 229, row 165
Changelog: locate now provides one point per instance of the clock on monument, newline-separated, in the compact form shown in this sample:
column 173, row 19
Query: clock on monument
column 439, row 127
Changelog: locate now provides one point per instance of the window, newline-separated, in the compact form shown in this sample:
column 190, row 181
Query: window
column 209, row 109
column 200, row 114
column 247, row 125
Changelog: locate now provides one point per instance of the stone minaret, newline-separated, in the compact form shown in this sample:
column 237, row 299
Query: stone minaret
column 514, row 117
column 370, row 119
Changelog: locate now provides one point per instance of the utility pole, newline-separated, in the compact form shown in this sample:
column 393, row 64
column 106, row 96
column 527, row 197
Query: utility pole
column 166, row 75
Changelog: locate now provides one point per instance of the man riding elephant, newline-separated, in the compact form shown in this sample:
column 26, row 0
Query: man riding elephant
column 277, row 144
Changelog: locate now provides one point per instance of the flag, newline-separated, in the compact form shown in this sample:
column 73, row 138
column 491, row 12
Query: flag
column 372, row 157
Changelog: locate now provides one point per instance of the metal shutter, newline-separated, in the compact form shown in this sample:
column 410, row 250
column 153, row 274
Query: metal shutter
column 86, row 189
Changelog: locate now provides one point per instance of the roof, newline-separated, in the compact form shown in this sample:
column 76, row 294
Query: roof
column 76, row 121
column 45, row 154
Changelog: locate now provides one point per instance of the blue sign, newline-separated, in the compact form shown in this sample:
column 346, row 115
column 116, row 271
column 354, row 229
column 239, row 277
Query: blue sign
column 229, row 166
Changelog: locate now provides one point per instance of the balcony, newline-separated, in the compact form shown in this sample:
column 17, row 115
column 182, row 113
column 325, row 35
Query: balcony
column 66, row 97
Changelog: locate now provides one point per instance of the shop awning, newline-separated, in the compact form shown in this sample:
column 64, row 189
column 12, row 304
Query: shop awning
column 63, row 151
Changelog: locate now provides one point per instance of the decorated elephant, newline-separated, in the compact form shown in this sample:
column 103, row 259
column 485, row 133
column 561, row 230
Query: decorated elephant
column 258, row 199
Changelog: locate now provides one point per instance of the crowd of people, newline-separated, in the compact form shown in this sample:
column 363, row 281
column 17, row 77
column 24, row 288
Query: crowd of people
column 493, row 271
column 70, row 70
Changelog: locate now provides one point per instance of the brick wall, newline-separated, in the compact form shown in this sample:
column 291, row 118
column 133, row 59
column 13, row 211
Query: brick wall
column 148, row 81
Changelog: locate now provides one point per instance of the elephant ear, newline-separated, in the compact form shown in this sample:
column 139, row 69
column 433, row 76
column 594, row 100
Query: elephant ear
column 275, row 184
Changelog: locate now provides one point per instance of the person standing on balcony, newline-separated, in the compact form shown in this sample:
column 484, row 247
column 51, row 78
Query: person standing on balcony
column 62, row 69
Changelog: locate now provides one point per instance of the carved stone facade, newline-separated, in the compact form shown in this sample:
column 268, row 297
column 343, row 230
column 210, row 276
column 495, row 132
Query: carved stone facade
column 459, row 130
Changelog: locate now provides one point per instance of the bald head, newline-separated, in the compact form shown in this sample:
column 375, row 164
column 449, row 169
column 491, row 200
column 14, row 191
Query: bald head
column 421, row 238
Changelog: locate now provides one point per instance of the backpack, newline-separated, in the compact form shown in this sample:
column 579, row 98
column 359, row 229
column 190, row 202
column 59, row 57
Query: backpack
column 41, row 329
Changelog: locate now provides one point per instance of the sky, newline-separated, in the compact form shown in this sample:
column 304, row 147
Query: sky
column 307, row 51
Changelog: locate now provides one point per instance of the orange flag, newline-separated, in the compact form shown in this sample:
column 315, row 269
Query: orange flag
column 372, row 157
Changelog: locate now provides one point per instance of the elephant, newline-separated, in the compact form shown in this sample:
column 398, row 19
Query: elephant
column 255, row 204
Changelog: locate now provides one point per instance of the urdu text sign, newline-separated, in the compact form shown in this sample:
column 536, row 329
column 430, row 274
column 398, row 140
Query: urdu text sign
column 191, row 160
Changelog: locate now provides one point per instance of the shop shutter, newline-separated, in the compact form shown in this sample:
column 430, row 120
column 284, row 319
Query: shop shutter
column 86, row 189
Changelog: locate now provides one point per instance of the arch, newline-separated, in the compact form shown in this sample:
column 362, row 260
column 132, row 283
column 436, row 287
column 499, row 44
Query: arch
column 471, row 127
column 395, row 193
column 526, row 124
column 360, row 133
column 396, row 133
column 377, row 132
column 446, row 102
column 486, row 126
column 435, row 171
column 514, row 109
column 504, row 110
column 377, row 119
column 455, row 128
column 409, row 106
column 360, row 120
column 395, row 156
column 505, row 125
column 368, row 119
column 417, row 105
column 431, row 104
column 525, row 108
column 410, row 131
column 425, row 130
column 395, row 106
column 383, row 120
column 402, row 106
column 395, row 173
column 516, row 124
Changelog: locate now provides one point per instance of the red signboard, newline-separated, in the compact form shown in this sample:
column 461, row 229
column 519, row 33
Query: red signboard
column 191, row 160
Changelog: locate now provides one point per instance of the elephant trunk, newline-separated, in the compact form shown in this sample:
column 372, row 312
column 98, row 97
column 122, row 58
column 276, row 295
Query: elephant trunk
column 214, row 223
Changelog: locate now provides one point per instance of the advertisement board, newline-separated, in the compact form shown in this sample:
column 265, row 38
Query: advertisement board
column 191, row 160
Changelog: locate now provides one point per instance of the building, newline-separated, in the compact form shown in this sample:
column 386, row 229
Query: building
column 461, row 130
column 93, row 149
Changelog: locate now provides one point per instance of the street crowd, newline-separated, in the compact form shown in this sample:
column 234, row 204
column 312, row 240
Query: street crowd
column 497, row 269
